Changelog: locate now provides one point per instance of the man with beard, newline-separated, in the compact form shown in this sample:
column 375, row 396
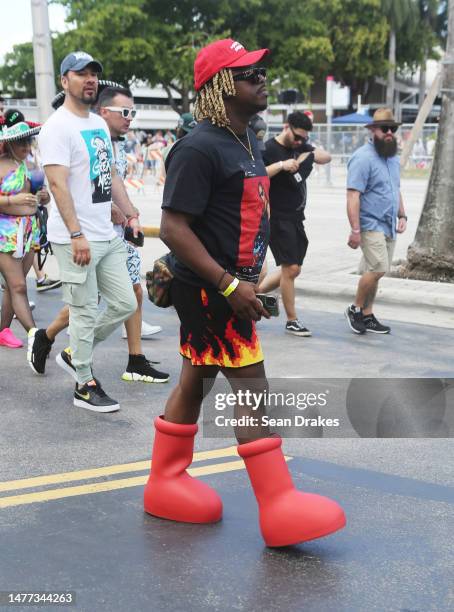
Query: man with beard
column 76, row 153
column 376, row 213
column 115, row 104
column 215, row 221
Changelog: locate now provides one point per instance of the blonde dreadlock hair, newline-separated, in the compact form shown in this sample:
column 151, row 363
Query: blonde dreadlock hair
column 210, row 103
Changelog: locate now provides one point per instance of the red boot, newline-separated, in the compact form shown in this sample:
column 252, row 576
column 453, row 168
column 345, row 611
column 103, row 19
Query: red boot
column 287, row 516
column 170, row 492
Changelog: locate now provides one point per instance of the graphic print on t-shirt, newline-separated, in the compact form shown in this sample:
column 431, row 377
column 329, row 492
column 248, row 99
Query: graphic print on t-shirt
column 120, row 159
column 100, row 154
column 254, row 213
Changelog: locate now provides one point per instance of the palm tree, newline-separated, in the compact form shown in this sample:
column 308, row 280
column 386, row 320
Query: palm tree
column 431, row 255
column 429, row 11
column 400, row 13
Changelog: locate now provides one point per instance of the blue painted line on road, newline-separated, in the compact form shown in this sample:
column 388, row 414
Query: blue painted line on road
column 371, row 479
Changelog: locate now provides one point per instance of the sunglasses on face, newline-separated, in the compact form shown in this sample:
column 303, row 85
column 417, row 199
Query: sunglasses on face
column 388, row 128
column 126, row 113
column 297, row 137
column 253, row 75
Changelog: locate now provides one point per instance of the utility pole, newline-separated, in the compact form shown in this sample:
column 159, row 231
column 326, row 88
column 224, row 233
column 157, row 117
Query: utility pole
column 329, row 118
column 390, row 90
column 42, row 55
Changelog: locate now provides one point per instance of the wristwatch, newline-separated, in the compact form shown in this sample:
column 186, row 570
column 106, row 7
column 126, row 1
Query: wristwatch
column 75, row 234
column 402, row 217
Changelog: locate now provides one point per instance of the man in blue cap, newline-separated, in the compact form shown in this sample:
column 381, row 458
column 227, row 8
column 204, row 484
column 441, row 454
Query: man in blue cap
column 76, row 152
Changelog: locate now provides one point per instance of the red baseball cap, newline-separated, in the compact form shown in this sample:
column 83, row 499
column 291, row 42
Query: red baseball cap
column 225, row 53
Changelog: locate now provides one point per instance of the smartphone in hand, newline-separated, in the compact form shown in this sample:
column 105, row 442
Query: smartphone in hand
column 270, row 303
column 129, row 236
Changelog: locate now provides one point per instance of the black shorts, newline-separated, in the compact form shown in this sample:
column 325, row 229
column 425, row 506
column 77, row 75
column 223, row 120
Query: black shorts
column 210, row 333
column 288, row 241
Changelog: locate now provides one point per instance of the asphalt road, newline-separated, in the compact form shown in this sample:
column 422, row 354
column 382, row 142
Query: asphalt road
column 86, row 531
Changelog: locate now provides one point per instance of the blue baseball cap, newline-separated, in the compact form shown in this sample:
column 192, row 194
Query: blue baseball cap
column 78, row 60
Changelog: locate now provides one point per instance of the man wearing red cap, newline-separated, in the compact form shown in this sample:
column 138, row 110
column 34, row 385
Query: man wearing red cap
column 215, row 221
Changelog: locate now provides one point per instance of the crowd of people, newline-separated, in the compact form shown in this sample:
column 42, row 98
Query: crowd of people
column 227, row 194
column 145, row 153
column 16, row 259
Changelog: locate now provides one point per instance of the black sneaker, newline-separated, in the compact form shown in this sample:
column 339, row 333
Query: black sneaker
column 38, row 351
column 374, row 326
column 47, row 283
column 63, row 359
column 92, row 397
column 140, row 369
column 354, row 316
column 297, row 329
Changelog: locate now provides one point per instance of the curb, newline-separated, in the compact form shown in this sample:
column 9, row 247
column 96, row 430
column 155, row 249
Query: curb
column 151, row 231
column 424, row 295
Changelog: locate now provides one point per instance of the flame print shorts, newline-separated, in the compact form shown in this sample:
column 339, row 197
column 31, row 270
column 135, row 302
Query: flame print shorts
column 210, row 333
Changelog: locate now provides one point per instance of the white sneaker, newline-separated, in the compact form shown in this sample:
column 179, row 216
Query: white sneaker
column 147, row 330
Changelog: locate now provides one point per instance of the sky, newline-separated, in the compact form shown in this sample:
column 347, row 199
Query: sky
column 16, row 22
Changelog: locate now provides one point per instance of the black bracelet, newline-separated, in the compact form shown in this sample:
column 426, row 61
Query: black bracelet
column 75, row 234
column 220, row 280
column 402, row 217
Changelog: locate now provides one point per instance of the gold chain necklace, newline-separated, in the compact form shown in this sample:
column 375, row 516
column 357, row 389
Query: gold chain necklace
column 248, row 148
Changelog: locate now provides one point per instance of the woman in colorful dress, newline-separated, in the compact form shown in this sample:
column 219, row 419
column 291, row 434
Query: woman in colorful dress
column 19, row 230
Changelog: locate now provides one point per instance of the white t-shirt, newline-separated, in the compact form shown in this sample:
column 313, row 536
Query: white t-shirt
column 83, row 145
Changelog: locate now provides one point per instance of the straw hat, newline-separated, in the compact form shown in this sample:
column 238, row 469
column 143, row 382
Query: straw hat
column 13, row 127
column 383, row 116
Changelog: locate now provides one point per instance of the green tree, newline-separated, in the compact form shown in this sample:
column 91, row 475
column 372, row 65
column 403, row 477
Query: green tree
column 420, row 41
column 300, row 45
column 117, row 33
column 401, row 15
column 17, row 74
column 156, row 41
column 428, row 13
column 358, row 32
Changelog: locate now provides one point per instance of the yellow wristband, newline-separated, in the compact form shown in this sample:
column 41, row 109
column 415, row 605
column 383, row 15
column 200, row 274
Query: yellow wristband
column 231, row 288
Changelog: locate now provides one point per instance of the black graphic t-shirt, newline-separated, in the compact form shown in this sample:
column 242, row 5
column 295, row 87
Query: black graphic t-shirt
column 212, row 177
column 288, row 191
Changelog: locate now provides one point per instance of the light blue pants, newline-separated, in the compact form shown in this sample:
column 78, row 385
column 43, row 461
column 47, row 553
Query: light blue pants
column 107, row 275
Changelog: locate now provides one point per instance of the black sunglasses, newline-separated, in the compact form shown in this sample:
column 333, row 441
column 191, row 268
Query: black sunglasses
column 252, row 75
column 388, row 128
column 297, row 137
